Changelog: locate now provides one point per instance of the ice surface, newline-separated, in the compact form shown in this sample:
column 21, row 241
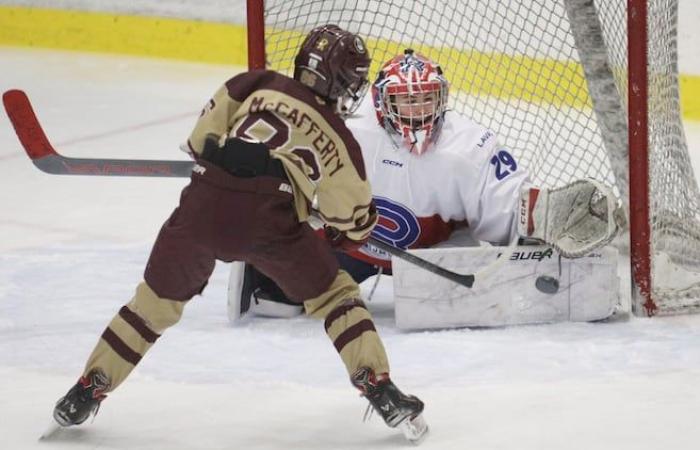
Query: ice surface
column 72, row 250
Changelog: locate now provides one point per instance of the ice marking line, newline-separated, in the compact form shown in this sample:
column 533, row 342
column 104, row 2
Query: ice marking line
column 127, row 129
column 114, row 132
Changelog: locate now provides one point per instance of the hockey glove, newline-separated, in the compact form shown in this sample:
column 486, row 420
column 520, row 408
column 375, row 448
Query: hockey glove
column 238, row 157
column 574, row 219
column 339, row 241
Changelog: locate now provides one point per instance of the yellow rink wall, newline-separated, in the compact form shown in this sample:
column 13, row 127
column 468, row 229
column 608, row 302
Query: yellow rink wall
column 191, row 40
column 134, row 35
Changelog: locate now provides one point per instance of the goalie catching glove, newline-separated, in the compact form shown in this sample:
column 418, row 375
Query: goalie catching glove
column 574, row 219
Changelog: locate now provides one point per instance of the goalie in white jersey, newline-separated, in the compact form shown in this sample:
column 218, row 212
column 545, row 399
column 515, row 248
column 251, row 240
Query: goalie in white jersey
column 431, row 171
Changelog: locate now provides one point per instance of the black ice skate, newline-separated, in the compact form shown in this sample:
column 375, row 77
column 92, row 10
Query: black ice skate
column 395, row 407
column 82, row 400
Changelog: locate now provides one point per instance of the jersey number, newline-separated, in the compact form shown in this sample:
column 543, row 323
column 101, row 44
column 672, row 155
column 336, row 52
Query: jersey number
column 505, row 164
column 269, row 129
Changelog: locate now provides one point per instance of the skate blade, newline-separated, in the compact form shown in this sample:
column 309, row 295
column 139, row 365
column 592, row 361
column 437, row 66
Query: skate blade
column 415, row 429
column 50, row 430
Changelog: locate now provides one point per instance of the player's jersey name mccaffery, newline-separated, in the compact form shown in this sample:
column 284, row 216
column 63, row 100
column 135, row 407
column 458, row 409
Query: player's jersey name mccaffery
column 323, row 144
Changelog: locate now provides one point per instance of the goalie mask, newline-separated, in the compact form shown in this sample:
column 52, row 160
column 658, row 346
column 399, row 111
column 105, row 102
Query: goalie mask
column 410, row 99
column 334, row 64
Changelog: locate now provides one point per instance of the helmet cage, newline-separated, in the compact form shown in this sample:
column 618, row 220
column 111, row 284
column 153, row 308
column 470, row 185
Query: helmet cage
column 414, row 106
column 353, row 93
column 410, row 97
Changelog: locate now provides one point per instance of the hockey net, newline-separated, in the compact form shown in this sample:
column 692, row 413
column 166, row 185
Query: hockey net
column 551, row 78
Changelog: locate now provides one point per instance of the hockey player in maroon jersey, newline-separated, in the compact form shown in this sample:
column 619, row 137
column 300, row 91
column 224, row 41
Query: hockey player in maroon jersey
column 267, row 147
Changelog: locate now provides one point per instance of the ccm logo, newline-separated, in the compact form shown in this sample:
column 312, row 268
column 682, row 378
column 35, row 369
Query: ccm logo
column 392, row 163
column 198, row 169
column 523, row 211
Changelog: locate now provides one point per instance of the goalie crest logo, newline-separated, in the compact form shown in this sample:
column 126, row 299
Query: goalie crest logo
column 397, row 225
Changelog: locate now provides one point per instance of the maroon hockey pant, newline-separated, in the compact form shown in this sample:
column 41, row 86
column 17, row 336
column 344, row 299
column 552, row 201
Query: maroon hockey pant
column 222, row 217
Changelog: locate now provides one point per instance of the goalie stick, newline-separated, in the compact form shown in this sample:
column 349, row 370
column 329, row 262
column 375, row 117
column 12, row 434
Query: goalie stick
column 464, row 280
column 47, row 159
column 544, row 283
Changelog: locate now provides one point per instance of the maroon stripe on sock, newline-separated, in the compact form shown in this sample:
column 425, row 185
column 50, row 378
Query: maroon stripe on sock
column 138, row 324
column 353, row 333
column 340, row 311
column 120, row 347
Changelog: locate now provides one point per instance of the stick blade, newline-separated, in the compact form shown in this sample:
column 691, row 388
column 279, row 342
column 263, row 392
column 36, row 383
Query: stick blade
column 26, row 125
column 47, row 159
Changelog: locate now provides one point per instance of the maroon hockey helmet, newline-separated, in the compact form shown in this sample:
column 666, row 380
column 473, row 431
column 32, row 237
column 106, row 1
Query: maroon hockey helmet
column 334, row 64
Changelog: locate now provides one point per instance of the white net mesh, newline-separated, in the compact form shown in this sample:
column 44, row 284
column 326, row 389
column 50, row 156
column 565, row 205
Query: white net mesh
column 550, row 78
column 675, row 201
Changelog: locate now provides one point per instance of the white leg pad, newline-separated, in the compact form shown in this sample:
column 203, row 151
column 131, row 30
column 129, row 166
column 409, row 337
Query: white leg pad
column 588, row 288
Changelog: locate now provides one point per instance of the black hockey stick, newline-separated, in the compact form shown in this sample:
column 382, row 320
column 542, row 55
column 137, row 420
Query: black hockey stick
column 47, row 159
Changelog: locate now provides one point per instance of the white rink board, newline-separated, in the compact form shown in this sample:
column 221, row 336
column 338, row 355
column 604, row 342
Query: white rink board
column 588, row 288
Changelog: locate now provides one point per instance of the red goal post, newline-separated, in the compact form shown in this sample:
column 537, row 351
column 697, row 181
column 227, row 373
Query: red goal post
column 576, row 88
column 638, row 136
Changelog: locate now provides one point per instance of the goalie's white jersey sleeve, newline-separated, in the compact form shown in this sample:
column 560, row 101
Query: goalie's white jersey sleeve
column 467, row 177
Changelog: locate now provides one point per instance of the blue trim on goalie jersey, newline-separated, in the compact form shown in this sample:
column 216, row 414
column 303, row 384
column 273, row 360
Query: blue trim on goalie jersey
column 397, row 225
